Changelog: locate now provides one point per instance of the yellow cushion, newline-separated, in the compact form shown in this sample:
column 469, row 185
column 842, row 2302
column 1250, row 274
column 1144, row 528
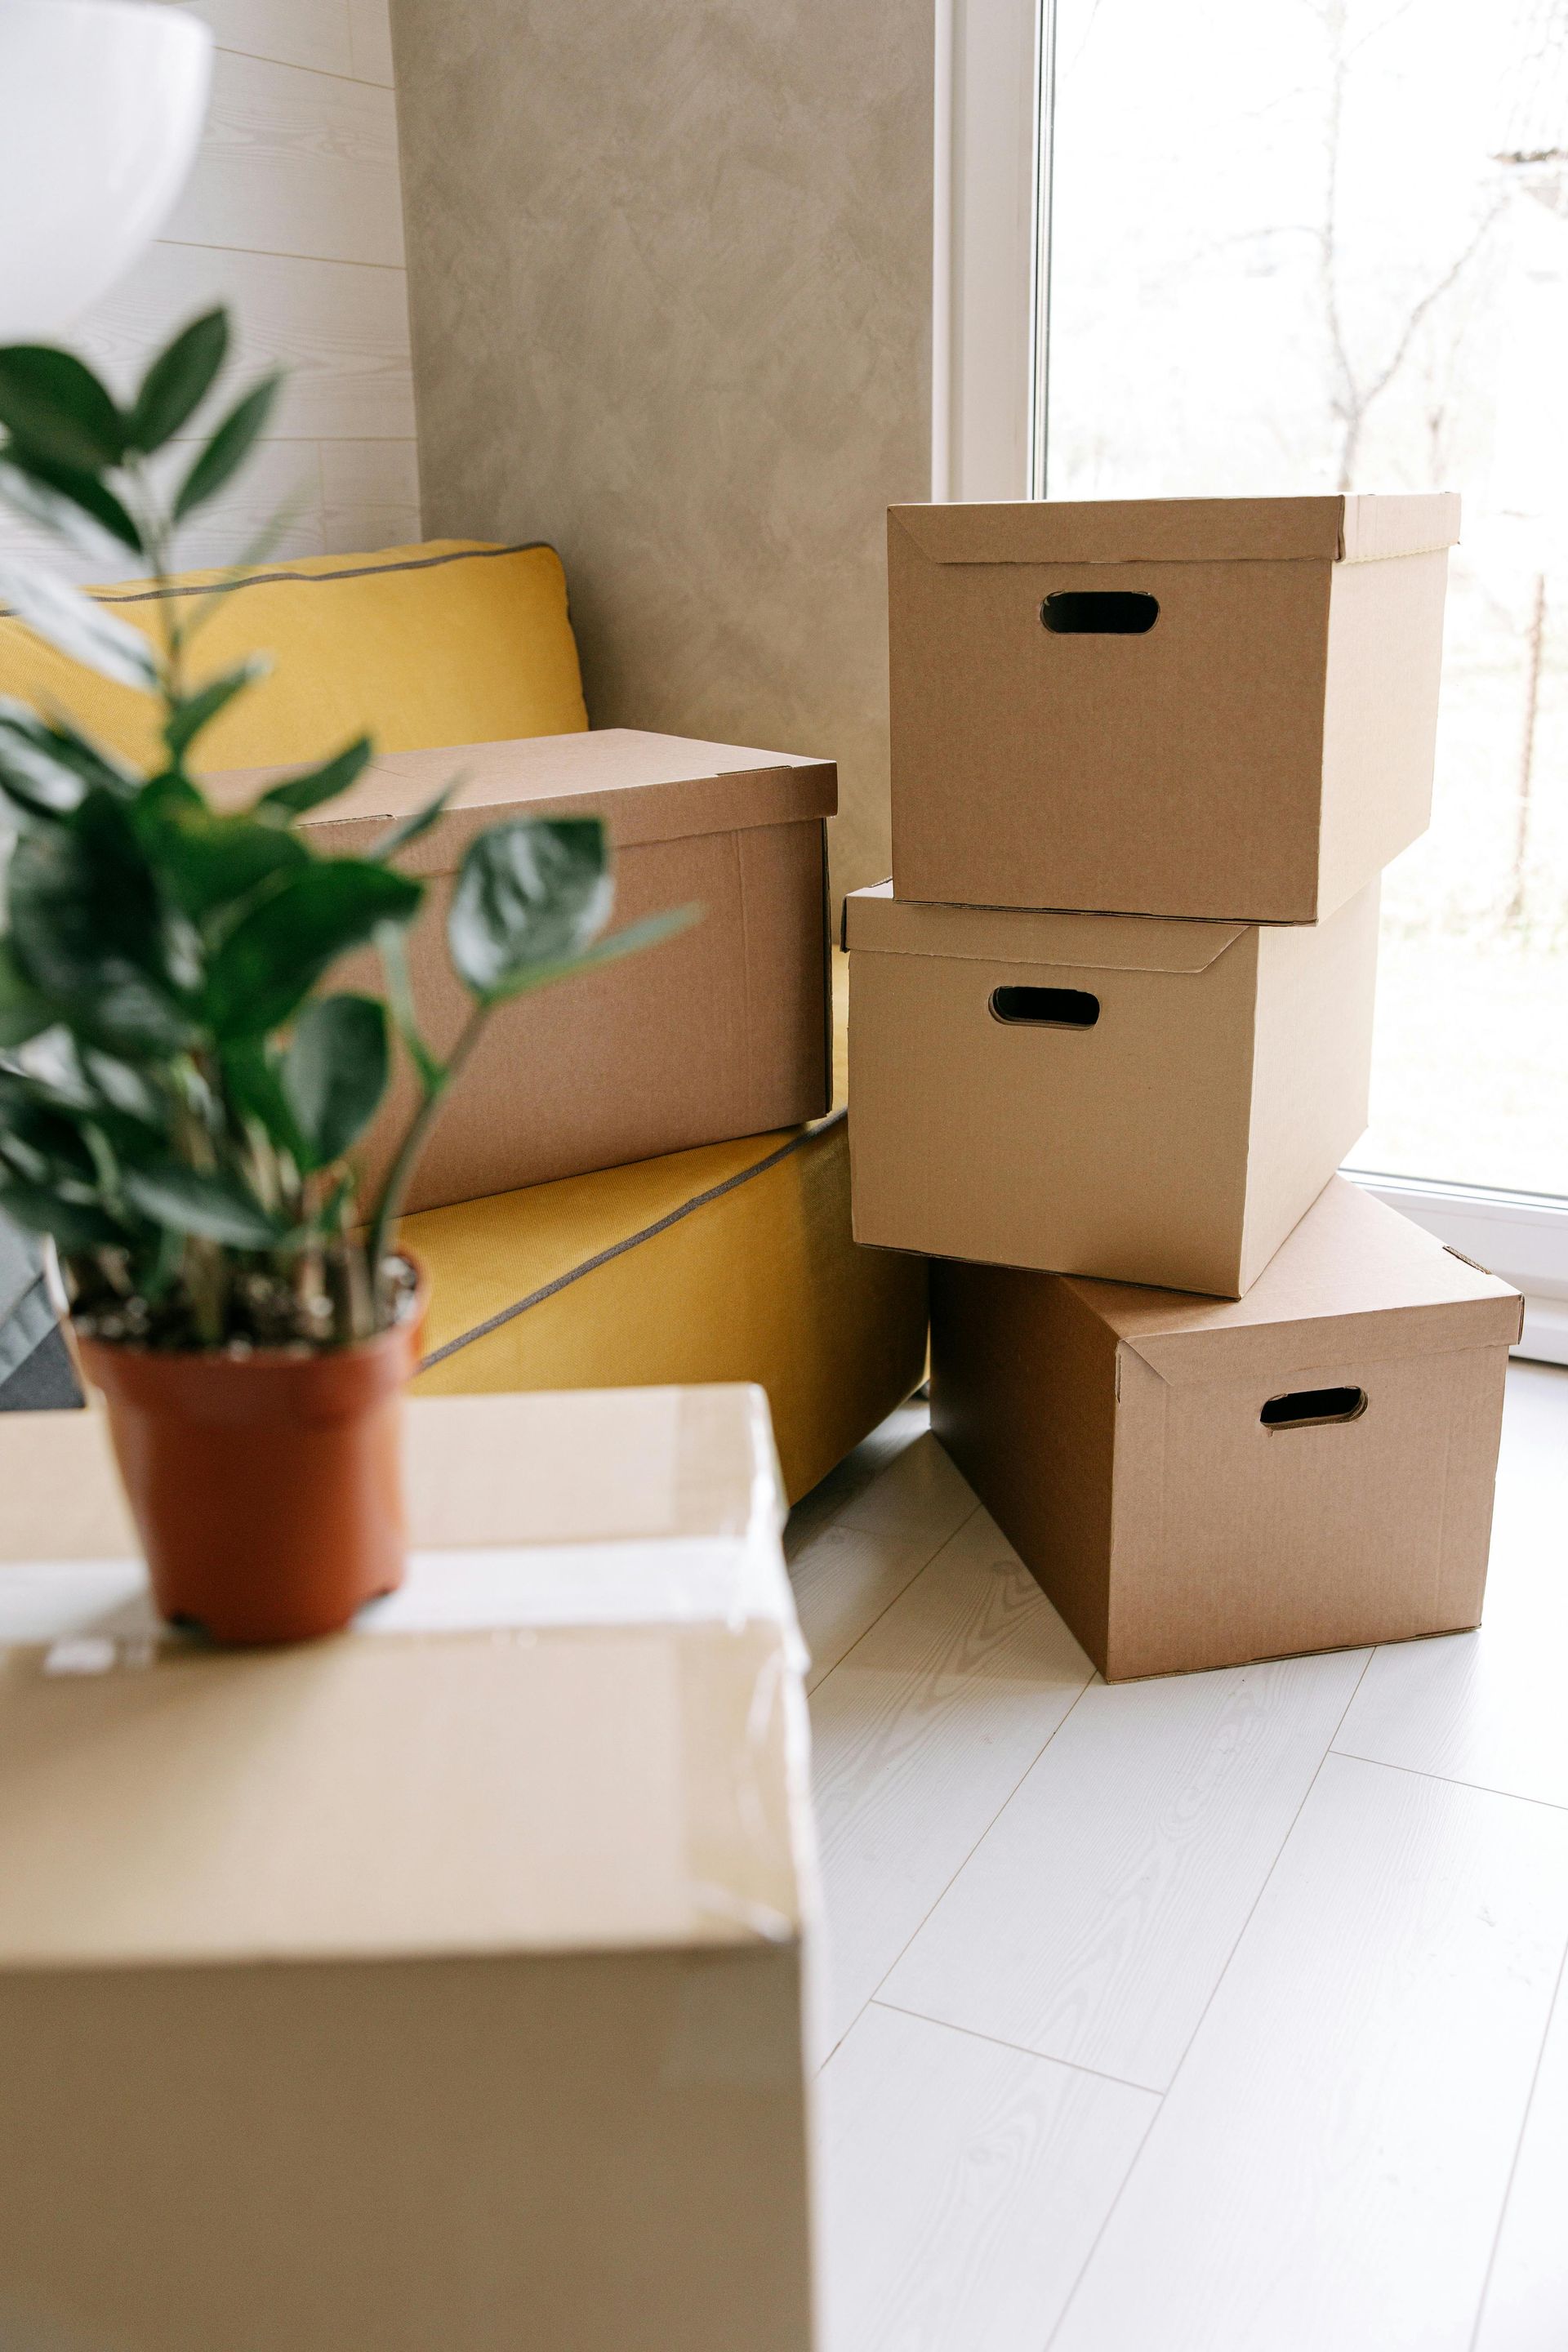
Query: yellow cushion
column 452, row 642
column 733, row 1263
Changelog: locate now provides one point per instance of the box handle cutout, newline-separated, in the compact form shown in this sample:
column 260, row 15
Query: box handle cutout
column 1045, row 1008
column 1100, row 612
column 1310, row 1408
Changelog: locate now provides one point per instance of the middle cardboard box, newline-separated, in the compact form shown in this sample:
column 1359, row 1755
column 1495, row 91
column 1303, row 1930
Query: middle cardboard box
column 1148, row 1101
column 723, row 1032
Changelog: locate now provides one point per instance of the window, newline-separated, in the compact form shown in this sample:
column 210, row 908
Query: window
column 1281, row 245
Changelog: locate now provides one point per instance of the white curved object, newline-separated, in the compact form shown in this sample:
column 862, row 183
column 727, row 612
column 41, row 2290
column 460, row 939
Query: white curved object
column 101, row 103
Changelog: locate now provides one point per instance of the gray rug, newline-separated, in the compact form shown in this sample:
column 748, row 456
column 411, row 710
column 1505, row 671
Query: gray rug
column 43, row 1381
column 35, row 1373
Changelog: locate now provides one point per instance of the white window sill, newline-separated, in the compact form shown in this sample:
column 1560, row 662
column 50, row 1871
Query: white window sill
column 1520, row 1236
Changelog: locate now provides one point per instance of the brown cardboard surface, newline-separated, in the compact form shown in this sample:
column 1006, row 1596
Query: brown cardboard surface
column 461, row 1955
column 1357, row 1277
column 1258, row 754
column 1332, row 529
column 602, row 2153
column 367, row 1782
column 721, row 1033
column 591, row 1466
column 1114, row 1433
column 1176, row 1141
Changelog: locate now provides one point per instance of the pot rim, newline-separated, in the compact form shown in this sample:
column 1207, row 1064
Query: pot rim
column 297, row 1351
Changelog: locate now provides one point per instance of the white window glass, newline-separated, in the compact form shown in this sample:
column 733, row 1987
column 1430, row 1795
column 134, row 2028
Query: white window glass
column 1309, row 244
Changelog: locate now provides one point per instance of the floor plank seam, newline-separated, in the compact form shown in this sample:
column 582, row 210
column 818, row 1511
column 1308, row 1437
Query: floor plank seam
column 1019, row 2049
column 1137, row 2157
column 871, row 1999
column 984, row 1833
column 1558, row 1994
column 894, row 1599
column 1266, row 1880
column 1452, row 1780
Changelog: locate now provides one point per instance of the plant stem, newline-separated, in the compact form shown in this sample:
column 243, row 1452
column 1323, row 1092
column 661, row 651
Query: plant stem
column 435, row 1085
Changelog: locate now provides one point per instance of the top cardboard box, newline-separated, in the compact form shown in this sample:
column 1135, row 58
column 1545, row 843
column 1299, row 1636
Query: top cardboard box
column 1219, row 709
column 723, row 1032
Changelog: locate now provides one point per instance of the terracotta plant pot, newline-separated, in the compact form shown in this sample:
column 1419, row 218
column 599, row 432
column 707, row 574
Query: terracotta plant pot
column 267, row 1489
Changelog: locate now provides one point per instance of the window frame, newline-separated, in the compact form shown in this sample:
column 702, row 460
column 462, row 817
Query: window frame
column 996, row 99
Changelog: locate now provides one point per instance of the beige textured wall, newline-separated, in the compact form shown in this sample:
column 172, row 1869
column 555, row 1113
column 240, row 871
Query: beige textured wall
column 669, row 271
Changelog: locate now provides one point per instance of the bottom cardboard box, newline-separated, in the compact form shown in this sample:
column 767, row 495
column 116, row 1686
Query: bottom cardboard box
column 1198, row 1482
column 435, row 1986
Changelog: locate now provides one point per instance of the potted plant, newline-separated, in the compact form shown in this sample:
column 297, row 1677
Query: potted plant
column 180, row 1089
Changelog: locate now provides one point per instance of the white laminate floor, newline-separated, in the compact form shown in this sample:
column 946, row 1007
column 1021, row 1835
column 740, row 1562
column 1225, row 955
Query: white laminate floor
column 1222, row 2013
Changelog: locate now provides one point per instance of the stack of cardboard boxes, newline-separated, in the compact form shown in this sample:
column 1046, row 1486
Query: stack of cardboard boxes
column 1111, row 1036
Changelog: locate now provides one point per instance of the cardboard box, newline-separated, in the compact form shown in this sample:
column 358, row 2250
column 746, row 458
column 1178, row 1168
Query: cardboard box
column 1196, row 1483
column 723, row 1032
column 440, row 1984
column 1096, row 1093
column 1215, row 708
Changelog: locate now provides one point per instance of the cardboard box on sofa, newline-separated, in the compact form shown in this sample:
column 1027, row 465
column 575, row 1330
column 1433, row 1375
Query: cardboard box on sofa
column 722, row 1032
column 1213, row 708
column 438, row 1984
column 1145, row 1101
column 1196, row 1483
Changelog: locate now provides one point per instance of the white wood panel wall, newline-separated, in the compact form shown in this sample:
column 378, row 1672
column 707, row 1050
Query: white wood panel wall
column 293, row 217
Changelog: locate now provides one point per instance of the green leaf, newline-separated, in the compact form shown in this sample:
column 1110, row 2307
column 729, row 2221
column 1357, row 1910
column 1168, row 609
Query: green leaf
column 631, row 941
column 178, row 381
column 125, row 1089
column 299, row 793
column 58, row 496
column 45, row 769
column 40, row 786
column 31, row 1117
column 215, row 1207
column 74, row 1225
column 534, row 891
column 161, row 800
column 255, row 1087
column 228, row 448
column 280, row 946
column 83, row 901
column 335, row 1072
column 23, row 1014
column 411, row 828
column 199, row 709
column 208, row 861
column 75, row 625
column 135, row 1018
column 57, row 409
column 87, row 928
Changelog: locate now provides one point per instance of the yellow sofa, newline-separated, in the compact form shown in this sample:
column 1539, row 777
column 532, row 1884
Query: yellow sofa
column 730, row 1262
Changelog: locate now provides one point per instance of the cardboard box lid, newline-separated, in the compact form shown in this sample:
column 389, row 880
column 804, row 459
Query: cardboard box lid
column 1355, row 1281
column 1183, row 530
column 875, row 922
column 646, row 788
column 576, row 1728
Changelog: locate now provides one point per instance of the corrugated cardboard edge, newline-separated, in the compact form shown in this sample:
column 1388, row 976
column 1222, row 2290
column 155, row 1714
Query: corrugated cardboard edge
column 877, row 923
column 827, row 1014
column 794, row 791
column 1328, row 529
column 1381, row 1335
column 1378, row 528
